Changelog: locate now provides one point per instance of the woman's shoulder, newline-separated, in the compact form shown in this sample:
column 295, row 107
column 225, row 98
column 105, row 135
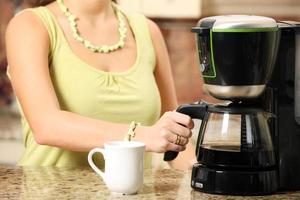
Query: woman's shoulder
column 26, row 21
column 26, row 24
column 152, row 26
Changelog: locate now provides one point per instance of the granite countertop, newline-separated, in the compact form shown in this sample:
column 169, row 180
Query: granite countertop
column 45, row 183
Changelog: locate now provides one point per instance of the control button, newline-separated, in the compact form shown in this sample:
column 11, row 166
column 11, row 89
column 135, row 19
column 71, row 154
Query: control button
column 198, row 185
column 203, row 67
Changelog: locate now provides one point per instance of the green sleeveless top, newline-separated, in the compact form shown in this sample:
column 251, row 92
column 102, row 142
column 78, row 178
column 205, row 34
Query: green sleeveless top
column 119, row 97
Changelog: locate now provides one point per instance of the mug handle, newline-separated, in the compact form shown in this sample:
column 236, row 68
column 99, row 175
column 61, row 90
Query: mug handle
column 92, row 164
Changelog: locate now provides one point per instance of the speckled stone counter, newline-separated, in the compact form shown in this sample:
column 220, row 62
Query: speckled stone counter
column 45, row 183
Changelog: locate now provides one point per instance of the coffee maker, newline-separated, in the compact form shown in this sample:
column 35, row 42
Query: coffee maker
column 249, row 144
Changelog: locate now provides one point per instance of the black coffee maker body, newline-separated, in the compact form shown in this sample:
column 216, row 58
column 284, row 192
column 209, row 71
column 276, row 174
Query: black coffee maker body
column 282, row 97
column 252, row 62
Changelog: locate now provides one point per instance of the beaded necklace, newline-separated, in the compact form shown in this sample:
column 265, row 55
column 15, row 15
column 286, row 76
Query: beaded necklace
column 97, row 49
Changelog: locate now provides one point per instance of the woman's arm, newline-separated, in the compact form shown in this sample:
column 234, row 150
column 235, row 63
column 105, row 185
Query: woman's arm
column 166, row 87
column 163, row 72
column 27, row 50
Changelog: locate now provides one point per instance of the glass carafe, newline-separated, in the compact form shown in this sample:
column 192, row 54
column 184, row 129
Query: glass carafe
column 235, row 137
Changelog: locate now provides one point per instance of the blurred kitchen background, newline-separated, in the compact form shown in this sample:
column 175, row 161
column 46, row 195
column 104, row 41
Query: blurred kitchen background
column 174, row 17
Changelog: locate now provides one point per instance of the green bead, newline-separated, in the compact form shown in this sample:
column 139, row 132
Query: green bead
column 80, row 39
column 72, row 18
column 64, row 9
column 105, row 49
column 122, row 43
column 87, row 43
column 73, row 24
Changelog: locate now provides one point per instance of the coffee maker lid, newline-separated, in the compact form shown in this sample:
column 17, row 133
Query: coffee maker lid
column 237, row 22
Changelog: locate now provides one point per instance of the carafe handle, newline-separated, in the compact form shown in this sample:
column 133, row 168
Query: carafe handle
column 195, row 111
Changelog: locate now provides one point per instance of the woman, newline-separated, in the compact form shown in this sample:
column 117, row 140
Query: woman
column 77, row 94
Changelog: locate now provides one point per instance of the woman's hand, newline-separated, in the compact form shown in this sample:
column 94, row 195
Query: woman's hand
column 171, row 133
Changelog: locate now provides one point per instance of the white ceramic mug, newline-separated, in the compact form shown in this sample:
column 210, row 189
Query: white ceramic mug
column 124, row 165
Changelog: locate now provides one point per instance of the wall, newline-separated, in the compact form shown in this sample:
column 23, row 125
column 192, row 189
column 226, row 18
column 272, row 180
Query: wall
column 184, row 59
column 183, row 55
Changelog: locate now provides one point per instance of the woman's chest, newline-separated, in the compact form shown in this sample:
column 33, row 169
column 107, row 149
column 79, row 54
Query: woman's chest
column 109, row 96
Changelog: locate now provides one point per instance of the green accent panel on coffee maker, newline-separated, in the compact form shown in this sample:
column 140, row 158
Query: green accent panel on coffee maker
column 213, row 74
column 244, row 30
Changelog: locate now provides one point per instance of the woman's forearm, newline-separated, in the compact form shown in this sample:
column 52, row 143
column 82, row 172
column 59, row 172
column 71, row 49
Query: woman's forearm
column 75, row 132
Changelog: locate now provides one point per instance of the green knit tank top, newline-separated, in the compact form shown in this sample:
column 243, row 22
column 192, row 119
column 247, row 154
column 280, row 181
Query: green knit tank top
column 119, row 97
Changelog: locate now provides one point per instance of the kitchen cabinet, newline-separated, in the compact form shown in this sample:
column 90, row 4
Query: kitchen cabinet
column 273, row 8
column 164, row 8
column 131, row 5
column 172, row 8
column 195, row 9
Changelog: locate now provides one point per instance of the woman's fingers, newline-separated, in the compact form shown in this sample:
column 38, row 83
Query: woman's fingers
column 175, row 147
column 178, row 140
column 179, row 129
column 172, row 131
column 178, row 123
column 182, row 119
